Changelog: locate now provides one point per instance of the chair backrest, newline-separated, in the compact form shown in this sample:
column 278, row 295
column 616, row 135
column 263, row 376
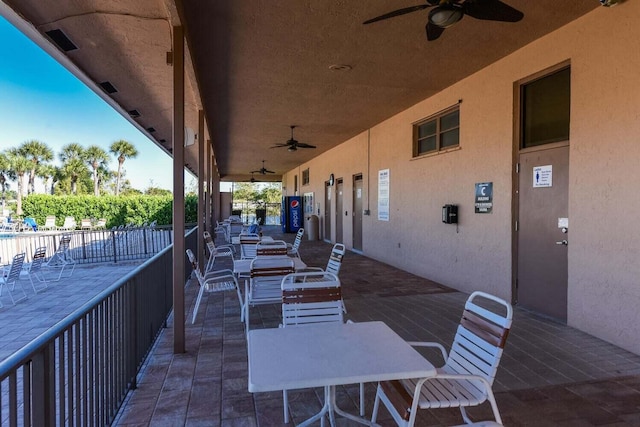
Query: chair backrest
column 335, row 259
column 194, row 264
column 69, row 222
column 298, row 239
column 313, row 297
column 102, row 223
column 266, row 277
column 248, row 244
column 276, row 247
column 16, row 267
column 39, row 257
column 65, row 242
column 480, row 338
column 50, row 221
column 85, row 223
column 208, row 240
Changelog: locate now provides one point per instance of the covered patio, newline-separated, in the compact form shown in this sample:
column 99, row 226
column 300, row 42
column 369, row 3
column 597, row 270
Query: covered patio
column 550, row 373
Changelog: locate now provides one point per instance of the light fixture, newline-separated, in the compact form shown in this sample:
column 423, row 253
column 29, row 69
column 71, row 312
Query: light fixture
column 445, row 16
column 340, row 67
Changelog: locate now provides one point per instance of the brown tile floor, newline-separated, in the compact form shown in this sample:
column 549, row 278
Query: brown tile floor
column 550, row 374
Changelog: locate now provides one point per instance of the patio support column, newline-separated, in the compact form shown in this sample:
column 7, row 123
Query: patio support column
column 201, row 190
column 207, row 198
column 178, row 192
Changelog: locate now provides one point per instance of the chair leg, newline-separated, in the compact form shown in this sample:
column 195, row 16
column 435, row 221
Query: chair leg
column 195, row 309
column 285, row 401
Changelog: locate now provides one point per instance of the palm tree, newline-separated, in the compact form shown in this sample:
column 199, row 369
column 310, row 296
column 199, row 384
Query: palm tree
column 96, row 157
column 5, row 175
column 73, row 158
column 19, row 166
column 46, row 172
column 123, row 150
column 37, row 152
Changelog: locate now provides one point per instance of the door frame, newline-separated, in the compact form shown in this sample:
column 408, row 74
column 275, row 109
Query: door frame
column 515, row 158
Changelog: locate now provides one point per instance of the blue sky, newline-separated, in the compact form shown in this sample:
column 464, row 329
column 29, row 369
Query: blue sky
column 40, row 99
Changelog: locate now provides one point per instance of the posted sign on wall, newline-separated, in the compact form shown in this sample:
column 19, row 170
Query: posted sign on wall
column 383, row 195
column 484, row 197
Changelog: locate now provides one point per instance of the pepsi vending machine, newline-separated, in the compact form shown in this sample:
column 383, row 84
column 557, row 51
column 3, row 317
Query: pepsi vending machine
column 291, row 217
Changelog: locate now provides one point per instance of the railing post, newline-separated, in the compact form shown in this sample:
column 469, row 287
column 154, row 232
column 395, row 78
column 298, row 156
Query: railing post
column 115, row 251
column 43, row 383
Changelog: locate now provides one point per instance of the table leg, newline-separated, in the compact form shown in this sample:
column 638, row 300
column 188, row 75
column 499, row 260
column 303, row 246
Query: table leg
column 330, row 407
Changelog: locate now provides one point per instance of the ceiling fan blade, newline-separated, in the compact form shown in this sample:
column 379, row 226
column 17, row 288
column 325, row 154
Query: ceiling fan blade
column 279, row 145
column 433, row 31
column 254, row 172
column 303, row 145
column 397, row 13
column 268, row 171
column 492, row 10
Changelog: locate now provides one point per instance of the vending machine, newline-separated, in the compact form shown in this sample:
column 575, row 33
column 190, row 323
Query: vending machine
column 291, row 216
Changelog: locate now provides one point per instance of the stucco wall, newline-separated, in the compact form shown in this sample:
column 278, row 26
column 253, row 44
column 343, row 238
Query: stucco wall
column 604, row 272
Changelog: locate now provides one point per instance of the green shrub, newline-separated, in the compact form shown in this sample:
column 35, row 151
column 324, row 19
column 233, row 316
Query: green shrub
column 136, row 209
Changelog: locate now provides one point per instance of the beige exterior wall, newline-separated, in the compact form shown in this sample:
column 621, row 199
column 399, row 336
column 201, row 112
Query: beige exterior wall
column 604, row 272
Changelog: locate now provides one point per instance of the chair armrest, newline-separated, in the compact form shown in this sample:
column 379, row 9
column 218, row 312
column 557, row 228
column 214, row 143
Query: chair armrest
column 223, row 250
column 463, row 377
column 430, row 344
column 308, row 269
column 219, row 274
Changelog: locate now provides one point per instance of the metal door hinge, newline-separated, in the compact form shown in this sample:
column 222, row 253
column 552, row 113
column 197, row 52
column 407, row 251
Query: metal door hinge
column 517, row 167
column 516, row 225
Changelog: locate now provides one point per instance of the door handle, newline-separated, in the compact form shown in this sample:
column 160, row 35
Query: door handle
column 562, row 242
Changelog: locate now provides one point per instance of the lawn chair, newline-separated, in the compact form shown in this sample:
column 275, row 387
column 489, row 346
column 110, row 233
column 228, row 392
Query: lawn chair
column 214, row 281
column 50, row 223
column 264, row 284
column 334, row 264
column 312, row 298
column 469, row 370
column 101, row 224
column 292, row 249
column 85, row 224
column 62, row 258
column 34, row 269
column 69, row 224
column 11, row 277
column 248, row 244
column 215, row 251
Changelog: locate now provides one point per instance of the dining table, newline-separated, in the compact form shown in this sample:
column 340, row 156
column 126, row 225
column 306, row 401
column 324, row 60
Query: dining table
column 265, row 239
column 329, row 355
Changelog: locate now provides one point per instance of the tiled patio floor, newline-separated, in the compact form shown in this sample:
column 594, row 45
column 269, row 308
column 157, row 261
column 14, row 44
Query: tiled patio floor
column 550, row 374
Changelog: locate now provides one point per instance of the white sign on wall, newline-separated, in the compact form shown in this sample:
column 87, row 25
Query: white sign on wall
column 543, row 176
column 383, row 195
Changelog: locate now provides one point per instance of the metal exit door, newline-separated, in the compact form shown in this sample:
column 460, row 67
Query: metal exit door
column 339, row 210
column 327, row 211
column 543, row 231
column 357, row 212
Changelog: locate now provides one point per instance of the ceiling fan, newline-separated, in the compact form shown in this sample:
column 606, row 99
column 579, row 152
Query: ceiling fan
column 445, row 13
column 293, row 144
column 252, row 180
column 262, row 170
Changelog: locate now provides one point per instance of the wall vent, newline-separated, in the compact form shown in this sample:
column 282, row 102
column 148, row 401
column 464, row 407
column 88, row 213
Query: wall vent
column 108, row 87
column 134, row 113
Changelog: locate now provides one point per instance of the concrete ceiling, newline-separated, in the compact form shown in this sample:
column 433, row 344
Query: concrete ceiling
column 257, row 67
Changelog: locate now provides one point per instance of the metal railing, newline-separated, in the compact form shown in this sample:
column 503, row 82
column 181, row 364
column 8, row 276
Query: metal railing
column 91, row 246
column 79, row 371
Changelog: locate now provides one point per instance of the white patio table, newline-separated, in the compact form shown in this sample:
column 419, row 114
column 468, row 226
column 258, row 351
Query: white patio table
column 243, row 266
column 327, row 355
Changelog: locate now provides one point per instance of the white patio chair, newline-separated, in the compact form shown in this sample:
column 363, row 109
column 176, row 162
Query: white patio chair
column 62, row 257
column 85, row 224
column 248, row 244
column 215, row 251
column 69, row 224
column 11, row 278
column 101, row 224
column 334, row 264
column 264, row 284
column 214, row 281
column 34, row 269
column 50, row 223
column 312, row 298
column 469, row 370
column 292, row 248
column 274, row 248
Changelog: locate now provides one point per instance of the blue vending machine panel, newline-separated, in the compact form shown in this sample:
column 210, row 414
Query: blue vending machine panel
column 291, row 214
